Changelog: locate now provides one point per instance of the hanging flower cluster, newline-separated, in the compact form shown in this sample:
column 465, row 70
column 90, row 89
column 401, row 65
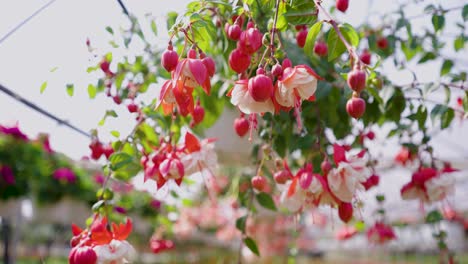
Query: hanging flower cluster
column 101, row 243
column 380, row 233
column 336, row 187
column 187, row 74
column 173, row 162
column 429, row 185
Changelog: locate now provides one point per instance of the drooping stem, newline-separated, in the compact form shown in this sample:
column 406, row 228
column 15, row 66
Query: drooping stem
column 333, row 23
column 273, row 28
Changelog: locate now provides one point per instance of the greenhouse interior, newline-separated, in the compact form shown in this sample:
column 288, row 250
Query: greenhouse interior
column 234, row 131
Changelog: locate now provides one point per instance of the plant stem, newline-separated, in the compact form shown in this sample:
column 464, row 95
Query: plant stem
column 273, row 29
column 333, row 23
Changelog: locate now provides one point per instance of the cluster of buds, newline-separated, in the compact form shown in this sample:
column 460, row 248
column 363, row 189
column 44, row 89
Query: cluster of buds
column 186, row 74
column 356, row 106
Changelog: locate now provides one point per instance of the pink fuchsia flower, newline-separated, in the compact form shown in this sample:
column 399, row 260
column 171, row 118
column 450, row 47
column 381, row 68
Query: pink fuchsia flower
column 199, row 155
column 13, row 131
column 372, row 181
column 156, row 204
column 98, row 178
column 192, row 73
column 176, row 94
column 241, row 98
column 305, row 190
column 349, row 176
column 428, row 185
column 296, row 84
column 7, row 175
column 438, row 188
column 346, row 232
column 64, row 174
column 116, row 252
column 380, row 233
column 172, row 168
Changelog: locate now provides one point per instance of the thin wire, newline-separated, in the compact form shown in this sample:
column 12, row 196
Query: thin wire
column 124, row 9
column 30, row 104
column 26, row 20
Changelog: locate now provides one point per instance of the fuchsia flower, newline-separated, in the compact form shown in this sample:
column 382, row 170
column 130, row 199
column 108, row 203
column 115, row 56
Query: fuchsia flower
column 7, row 175
column 349, row 176
column 305, row 190
column 65, row 174
column 13, row 131
column 429, row 185
column 380, row 233
column 296, row 84
column 241, row 98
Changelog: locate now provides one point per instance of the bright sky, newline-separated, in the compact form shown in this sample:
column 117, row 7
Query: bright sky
column 56, row 38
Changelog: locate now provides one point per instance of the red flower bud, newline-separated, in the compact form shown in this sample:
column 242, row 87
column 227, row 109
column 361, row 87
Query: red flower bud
column 239, row 61
column 345, row 212
column 382, row 43
column 234, row 32
column 259, row 183
column 277, row 70
column 281, row 176
column 241, row 125
column 287, row 63
column 169, row 59
column 132, row 107
column 356, row 107
column 321, row 49
column 357, row 80
column 365, row 57
column 210, row 65
column 260, row 87
column 342, row 5
column 83, row 254
column 198, row 114
column 250, row 40
column 301, row 37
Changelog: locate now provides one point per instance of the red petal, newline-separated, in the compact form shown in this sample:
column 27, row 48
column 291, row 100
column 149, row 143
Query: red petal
column 207, row 85
column 178, row 71
column 198, row 70
column 292, row 187
column 191, row 143
column 338, row 154
column 121, row 231
column 361, row 153
column 310, row 71
column 179, row 181
column 76, row 230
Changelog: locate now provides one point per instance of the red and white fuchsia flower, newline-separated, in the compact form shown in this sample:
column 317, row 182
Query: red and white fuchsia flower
column 349, row 176
column 174, row 162
column 380, row 233
column 241, row 97
column 429, row 185
column 100, row 244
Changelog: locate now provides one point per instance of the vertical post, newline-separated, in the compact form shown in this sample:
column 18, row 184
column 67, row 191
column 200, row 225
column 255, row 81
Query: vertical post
column 6, row 240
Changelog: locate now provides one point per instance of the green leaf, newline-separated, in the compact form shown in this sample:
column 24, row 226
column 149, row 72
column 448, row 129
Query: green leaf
column 250, row 243
column 459, row 43
column 240, row 223
column 110, row 30
column 54, row 69
column 154, row 28
column 447, row 118
column 446, row 67
column 115, row 133
column 300, row 12
column 360, row 226
column 171, row 19
column 427, row 57
column 434, row 217
column 465, row 13
column 70, row 89
column 119, row 160
column 266, row 201
column 43, row 87
column 335, row 46
column 438, row 21
column 311, row 37
column 92, row 90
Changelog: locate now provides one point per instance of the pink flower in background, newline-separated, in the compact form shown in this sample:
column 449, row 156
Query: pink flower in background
column 346, row 232
column 380, row 233
column 7, row 175
column 13, row 131
column 156, row 204
column 98, row 178
column 64, row 174
column 429, row 185
column 349, row 176
column 44, row 140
